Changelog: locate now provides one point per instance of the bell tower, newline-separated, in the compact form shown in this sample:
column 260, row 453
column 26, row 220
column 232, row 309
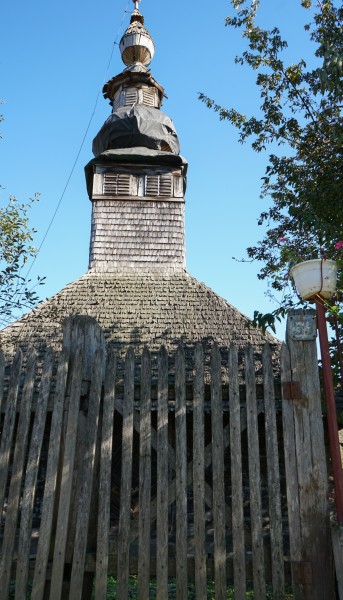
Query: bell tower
column 137, row 180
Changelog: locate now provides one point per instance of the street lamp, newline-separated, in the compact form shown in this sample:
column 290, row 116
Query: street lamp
column 315, row 281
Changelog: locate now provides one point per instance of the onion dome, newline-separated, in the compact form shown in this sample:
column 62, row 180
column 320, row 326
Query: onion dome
column 136, row 45
column 136, row 127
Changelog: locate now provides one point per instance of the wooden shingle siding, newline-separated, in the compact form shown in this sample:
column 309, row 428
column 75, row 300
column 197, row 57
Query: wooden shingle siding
column 117, row 101
column 130, row 233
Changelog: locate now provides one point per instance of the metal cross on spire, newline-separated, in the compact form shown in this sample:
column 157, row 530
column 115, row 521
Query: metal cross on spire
column 136, row 3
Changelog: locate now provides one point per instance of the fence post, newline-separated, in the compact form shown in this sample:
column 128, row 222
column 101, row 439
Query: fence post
column 82, row 338
column 305, row 462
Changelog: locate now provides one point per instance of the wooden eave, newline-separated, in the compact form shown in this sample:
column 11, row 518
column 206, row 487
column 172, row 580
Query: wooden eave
column 131, row 77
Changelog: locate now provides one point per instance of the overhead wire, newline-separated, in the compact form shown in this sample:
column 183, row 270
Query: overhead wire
column 25, row 278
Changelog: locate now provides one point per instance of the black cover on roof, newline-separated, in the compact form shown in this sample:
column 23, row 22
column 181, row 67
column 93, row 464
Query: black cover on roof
column 137, row 126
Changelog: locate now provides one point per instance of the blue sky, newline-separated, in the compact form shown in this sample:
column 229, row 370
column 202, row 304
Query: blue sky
column 54, row 60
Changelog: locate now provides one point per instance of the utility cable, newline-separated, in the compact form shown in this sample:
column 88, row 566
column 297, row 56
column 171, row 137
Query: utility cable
column 78, row 153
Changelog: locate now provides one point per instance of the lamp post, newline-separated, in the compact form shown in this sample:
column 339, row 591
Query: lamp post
column 331, row 408
column 316, row 291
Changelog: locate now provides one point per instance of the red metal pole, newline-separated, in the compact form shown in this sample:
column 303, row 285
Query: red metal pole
column 331, row 409
column 339, row 348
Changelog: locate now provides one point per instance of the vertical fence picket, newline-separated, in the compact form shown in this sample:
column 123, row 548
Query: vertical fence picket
column 144, row 479
column 105, row 479
column 218, row 477
column 126, row 478
column 43, row 549
column 9, row 422
column 199, row 474
column 181, row 475
column 66, row 480
column 17, row 475
column 273, row 471
column 2, row 371
column 85, row 494
column 291, row 470
column 238, row 540
column 312, row 572
column 254, row 479
column 31, row 478
column 162, row 477
column 175, row 471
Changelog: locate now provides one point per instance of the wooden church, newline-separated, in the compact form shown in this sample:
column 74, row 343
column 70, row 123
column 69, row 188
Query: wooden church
column 141, row 434
column 137, row 286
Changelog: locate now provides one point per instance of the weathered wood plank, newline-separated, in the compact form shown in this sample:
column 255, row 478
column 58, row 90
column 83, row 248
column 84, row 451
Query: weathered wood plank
column 31, row 478
column 144, row 479
column 291, row 467
column 17, row 475
column 162, row 477
column 126, row 478
column 8, row 429
column 337, row 545
column 218, row 476
column 199, row 473
column 316, row 548
column 238, row 539
column 273, row 470
column 83, row 332
column 2, row 371
column 66, row 480
column 181, row 475
column 254, row 478
column 105, row 479
column 208, row 461
column 85, row 493
column 43, row 550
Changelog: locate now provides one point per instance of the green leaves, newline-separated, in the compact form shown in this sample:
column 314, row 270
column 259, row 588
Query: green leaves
column 300, row 115
column 16, row 293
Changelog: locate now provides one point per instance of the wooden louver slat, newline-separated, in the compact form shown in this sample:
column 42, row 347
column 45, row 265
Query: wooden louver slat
column 158, row 185
column 149, row 97
column 131, row 97
column 117, row 184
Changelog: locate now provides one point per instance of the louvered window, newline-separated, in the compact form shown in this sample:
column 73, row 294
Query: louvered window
column 131, row 97
column 117, row 184
column 158, row 185
column 149, row 97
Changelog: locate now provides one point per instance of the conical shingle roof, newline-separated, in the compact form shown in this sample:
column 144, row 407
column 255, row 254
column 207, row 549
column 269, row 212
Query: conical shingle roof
column 139, row 309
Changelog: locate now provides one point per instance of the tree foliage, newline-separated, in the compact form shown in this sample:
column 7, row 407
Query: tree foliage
column 300, row 121
column 17, row 294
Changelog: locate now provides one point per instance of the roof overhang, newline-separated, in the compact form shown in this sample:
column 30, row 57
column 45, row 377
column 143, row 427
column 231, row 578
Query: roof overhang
column 134, row 156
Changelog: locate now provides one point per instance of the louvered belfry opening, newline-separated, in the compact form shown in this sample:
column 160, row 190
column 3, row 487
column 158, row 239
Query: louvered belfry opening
column 151, row 185
column 137, row 213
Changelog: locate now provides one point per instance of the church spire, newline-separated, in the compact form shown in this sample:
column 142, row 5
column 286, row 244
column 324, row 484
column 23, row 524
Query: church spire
column 137, row 181
column 136, row 98
column 136, row 45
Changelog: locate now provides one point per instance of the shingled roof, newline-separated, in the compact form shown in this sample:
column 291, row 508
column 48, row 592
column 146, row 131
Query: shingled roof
column 137, row 287
column 138, row 309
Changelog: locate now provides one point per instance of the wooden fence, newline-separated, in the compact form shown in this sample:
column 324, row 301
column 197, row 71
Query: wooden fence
column 102, row 471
